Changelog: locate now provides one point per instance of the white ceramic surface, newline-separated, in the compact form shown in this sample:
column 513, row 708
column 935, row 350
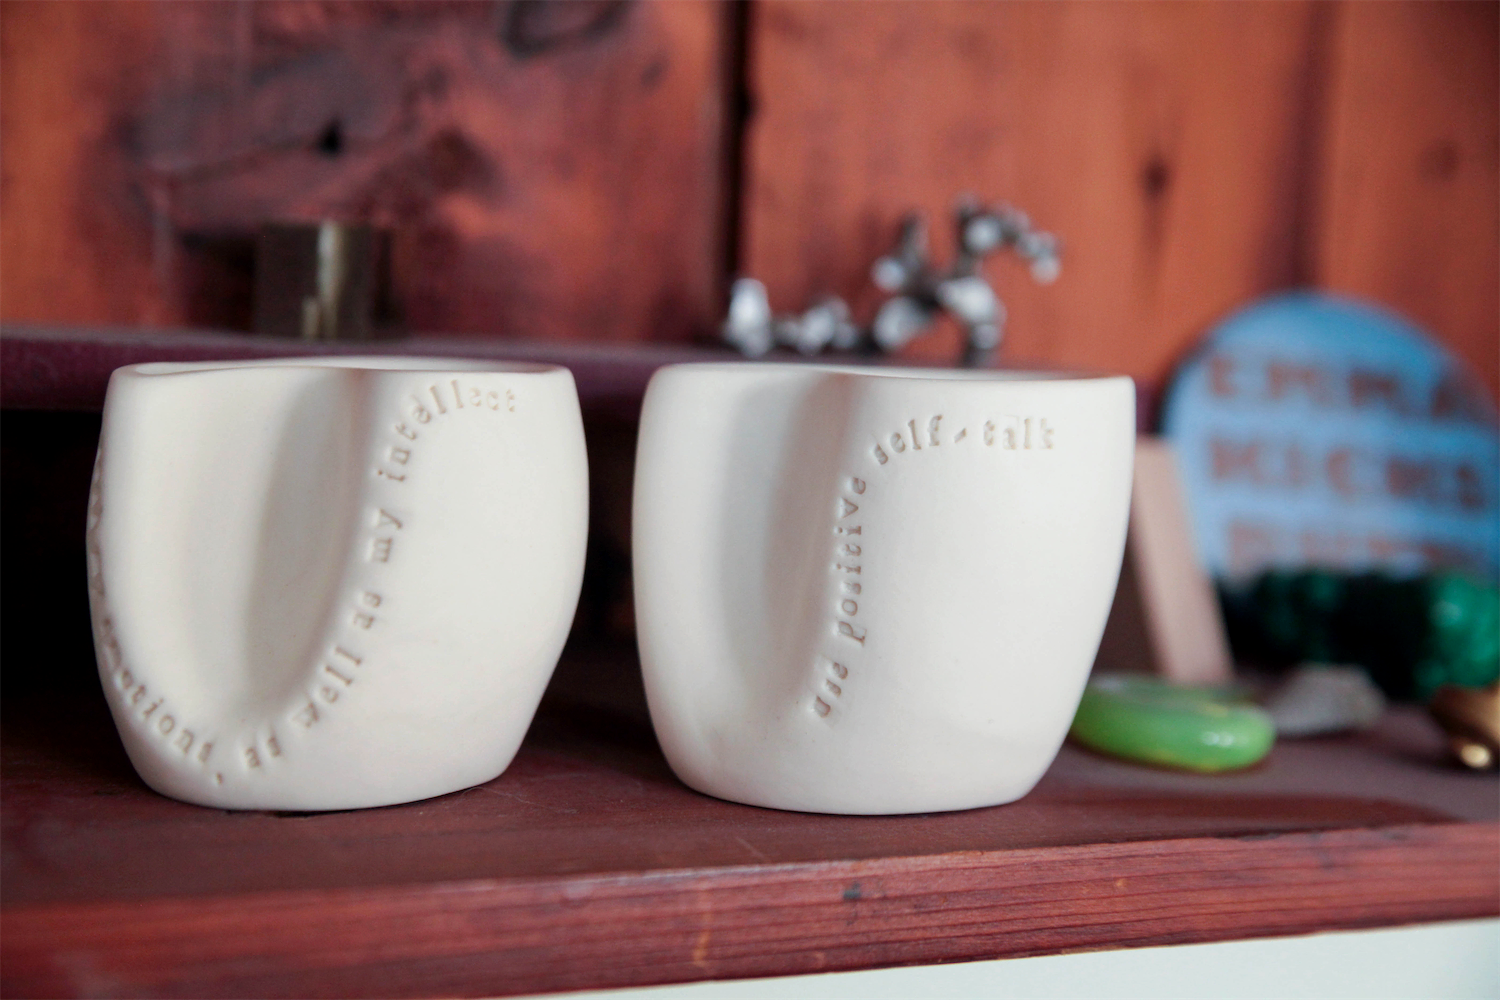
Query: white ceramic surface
column 335, row 583
column 874, row 591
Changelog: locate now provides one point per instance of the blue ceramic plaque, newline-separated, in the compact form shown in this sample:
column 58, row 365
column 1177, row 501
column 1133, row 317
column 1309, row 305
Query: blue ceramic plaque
column 1319, row 431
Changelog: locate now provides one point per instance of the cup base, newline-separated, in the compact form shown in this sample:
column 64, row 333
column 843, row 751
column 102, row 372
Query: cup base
column 909, row 803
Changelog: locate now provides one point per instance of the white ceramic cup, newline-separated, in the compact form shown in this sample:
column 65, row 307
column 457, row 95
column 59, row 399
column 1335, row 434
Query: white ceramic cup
column 332, row 583
column 874, row 590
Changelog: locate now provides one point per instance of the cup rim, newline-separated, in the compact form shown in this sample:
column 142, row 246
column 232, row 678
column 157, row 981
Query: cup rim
column 910, row 373
column 396, row 364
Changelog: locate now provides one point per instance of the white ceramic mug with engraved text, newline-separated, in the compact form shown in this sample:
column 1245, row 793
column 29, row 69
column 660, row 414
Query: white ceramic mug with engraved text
column 874, row 590
column 332, row 583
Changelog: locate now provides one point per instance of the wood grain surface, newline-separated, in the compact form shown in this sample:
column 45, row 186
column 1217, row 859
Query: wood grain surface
column 1190, row 157
column 588, row 865
column 1163, row 143
column 1410, row 200
column 595, row 170
column 568, row 172
column 547, row 170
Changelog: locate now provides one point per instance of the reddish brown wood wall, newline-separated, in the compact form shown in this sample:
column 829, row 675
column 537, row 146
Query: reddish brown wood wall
column 1191, row 156
column 548, row 170
column 1408, row 207
column 563, row 170
column 1123, row 128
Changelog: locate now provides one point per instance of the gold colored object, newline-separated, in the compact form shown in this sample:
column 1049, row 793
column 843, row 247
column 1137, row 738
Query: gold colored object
column 1475, row 755
column 1471, row 717
column 321, row 281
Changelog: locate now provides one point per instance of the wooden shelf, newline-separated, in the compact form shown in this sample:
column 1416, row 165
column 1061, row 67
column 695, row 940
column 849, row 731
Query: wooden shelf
column 587, row 865
column 68, row 368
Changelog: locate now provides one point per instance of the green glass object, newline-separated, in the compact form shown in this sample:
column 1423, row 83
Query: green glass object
column 1194, row 729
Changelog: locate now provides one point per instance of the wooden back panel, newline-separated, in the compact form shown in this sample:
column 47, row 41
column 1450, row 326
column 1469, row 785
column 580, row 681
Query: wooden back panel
column 579, row 170
column 1190, row 156
column 547, row 171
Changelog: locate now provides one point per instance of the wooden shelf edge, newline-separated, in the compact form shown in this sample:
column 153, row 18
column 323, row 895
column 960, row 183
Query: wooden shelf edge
column 607, row 930
column 68, row 368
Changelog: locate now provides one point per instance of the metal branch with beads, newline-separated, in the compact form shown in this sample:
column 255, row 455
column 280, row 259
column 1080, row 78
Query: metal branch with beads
column 919, row 292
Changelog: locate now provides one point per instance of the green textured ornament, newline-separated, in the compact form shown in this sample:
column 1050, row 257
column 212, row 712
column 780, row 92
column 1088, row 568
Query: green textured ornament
column 1194, row 729
column 1463, row 637
column 1414, row 634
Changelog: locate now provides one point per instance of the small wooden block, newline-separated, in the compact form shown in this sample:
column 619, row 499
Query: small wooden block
column 1166, row 617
